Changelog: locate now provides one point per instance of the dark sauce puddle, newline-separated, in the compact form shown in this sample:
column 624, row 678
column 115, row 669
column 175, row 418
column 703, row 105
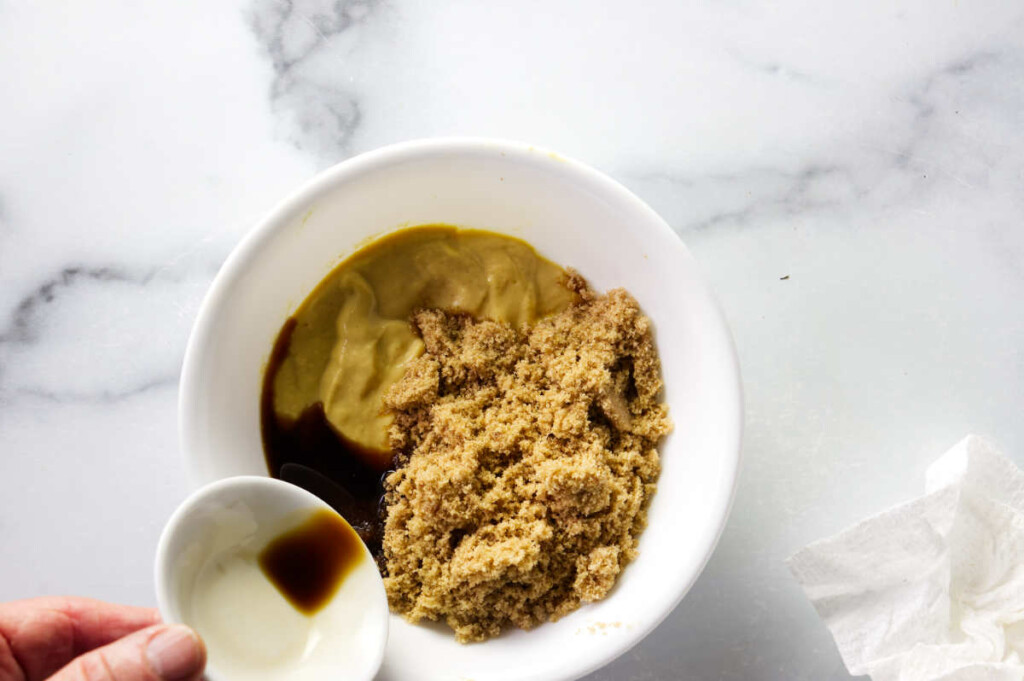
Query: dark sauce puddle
column 310, row 453
column 307, row 564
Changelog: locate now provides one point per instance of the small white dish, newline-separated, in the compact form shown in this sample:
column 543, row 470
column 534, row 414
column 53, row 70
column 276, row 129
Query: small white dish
column 208, row 577
column 574, row 216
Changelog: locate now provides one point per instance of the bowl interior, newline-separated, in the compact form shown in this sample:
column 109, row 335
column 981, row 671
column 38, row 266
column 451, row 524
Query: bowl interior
column 573, row 216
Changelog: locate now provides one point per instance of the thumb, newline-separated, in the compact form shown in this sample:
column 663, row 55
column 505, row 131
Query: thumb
column 159, row 653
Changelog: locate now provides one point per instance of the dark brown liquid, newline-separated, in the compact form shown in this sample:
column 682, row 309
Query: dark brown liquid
column 310, row 453
column 309, row 563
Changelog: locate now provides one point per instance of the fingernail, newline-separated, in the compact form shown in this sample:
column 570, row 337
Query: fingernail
column 176, row 653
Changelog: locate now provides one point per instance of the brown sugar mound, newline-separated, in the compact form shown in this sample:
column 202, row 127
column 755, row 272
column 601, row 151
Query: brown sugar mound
column 529, row 459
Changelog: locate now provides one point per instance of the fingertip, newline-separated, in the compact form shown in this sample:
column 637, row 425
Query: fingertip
column 176, row 653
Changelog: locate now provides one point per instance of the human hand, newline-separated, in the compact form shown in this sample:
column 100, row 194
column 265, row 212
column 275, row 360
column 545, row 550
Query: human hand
column 80, row 639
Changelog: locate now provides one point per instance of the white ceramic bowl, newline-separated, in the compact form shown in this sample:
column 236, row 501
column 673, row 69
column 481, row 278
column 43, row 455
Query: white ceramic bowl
column 249, row 630
column 576, row 217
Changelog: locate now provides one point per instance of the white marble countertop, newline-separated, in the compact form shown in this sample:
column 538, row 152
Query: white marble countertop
column 850, row 177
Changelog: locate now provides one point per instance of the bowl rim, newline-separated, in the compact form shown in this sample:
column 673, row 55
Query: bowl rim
column 277, row 218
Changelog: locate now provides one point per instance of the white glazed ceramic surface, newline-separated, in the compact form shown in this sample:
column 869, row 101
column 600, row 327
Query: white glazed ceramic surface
column 251, row 631
column 576, row 217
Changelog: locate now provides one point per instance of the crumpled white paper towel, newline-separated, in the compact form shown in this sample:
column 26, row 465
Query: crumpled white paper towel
column 932, row 589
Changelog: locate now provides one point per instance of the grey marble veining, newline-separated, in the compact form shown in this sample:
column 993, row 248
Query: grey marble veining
column 850, row 178
column 323, row 113
column 41, row 353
